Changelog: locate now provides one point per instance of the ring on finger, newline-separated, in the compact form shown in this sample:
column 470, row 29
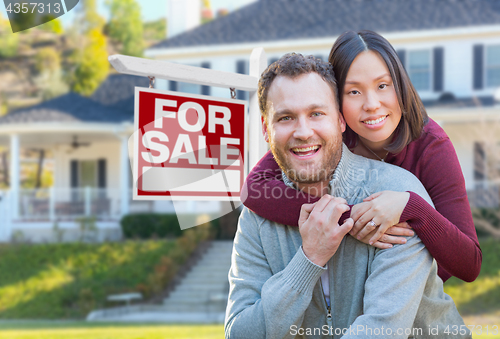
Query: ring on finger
column 371, row 223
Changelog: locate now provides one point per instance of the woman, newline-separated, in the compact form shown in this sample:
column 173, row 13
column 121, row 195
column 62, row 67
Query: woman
column 388, row 122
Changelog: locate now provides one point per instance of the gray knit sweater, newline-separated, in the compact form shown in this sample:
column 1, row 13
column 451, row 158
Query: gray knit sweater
column 275, row 291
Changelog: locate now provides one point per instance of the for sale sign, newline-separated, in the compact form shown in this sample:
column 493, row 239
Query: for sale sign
column 188, row 146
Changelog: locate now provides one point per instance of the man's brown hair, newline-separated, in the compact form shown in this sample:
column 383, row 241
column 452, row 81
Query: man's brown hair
column 292, row 65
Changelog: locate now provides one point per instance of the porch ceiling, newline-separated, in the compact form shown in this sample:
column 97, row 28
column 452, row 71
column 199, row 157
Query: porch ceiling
column 52, row 135
column 465, row 115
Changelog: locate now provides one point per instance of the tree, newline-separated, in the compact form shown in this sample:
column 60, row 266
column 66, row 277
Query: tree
column 206, row 12
column 88, row 18
column 22, row 21
column 125, row 26
column 49, row 77
column 92, row 64
column 487, row 220
column 54, row 26
column 89, row 64
column 35, row 175
column 8, row 40
column 47, row 59
column 5, row 168
column 155, row 30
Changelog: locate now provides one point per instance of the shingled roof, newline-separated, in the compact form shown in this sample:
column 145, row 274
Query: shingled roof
column 117, row 91
column 112, row 102
column 271, row 20
column 70, row 107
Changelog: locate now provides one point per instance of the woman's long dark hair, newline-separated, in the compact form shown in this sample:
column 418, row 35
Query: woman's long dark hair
column 413, row 115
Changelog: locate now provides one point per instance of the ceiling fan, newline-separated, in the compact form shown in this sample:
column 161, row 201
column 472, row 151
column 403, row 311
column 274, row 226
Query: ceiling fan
column 76, row 144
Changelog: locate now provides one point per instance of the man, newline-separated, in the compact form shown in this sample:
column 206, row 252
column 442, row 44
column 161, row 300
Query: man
column 275, row 285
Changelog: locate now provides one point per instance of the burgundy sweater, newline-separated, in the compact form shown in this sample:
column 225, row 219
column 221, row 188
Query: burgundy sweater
column 448, row 231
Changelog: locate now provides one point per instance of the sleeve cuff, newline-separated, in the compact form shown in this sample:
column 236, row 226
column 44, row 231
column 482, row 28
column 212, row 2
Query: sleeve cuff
column 302, row 250
column 422, row 217
column 301, row 273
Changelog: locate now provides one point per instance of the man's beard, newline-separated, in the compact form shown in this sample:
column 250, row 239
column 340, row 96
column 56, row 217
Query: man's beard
column 321, row 172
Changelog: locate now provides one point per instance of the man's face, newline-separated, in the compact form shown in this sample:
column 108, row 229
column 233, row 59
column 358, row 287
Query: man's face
column 304, row 127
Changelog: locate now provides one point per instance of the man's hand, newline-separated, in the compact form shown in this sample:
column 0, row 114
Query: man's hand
column 319, row 228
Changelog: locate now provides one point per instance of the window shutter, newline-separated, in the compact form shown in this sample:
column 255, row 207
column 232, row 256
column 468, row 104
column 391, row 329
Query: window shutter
column 402, row 57
column 438, row 69
column 74, row 173
column 172, row 85
column 479, row 162
column 73, row 166
column 101, row 173
column 241, row 69
column 205, row 90
column 478, row 67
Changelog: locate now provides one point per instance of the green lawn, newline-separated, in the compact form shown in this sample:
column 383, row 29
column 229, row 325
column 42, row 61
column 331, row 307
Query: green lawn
column 84, row 330
column 68, row 280
column 479, row 301
column 61, row 281
column 60, row 271
column 483, row 295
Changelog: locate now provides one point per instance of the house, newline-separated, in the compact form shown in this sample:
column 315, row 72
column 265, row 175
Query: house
column 450, row 48
column 89, row 141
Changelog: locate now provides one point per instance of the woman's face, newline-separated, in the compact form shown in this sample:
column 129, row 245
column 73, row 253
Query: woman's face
column 370, row 104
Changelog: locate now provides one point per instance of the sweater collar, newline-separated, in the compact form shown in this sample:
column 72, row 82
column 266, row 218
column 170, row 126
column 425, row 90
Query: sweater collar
column 397, row 159
column 342, row 180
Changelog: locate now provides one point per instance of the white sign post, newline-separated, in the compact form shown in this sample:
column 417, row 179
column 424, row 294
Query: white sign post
column 188, row 146
column 208, row 77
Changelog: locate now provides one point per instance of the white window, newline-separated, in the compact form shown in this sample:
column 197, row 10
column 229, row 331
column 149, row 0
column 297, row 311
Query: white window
column 186, row 87
column 486, row 175
column 493, row 162
column 419, row 69
column 487, row 161
column 493, row 66
column 88, row 173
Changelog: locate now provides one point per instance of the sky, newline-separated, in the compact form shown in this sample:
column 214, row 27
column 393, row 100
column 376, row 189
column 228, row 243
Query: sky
column 150, row 9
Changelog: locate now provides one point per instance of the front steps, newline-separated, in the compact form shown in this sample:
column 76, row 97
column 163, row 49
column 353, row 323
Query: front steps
column 200, row 297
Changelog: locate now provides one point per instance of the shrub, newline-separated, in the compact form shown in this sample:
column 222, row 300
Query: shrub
column 8, row 40
column 150, row 225
column 487, row 221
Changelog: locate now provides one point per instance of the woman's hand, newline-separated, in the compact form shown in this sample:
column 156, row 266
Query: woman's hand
column 384, row 209
column 394, row 235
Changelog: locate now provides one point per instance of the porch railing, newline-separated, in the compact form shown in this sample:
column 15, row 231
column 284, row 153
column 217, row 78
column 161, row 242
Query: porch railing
column 72, row 203
column 485, row 195
column 69, row 203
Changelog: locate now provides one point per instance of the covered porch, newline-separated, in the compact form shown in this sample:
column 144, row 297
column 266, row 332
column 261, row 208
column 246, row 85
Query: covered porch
column 91, row 169
column 474, row 130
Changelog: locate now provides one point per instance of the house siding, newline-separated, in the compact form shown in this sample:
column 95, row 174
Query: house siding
column 453, row 74
column 109, row 151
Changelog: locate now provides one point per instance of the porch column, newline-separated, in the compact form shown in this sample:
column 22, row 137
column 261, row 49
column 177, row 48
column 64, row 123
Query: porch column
column 257, row 146
column 124, row 175
column 14, row 174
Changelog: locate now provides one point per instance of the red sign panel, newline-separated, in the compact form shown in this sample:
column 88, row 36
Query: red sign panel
column 188, row 146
